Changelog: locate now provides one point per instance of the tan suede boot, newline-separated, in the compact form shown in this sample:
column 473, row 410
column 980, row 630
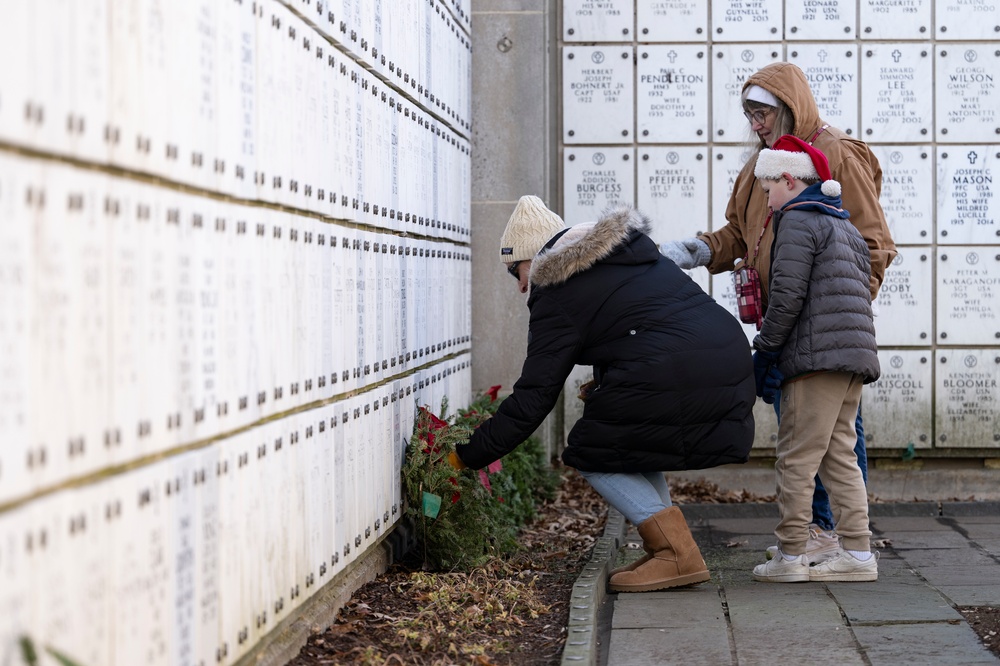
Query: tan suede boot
column 632, row 566
column 676, row 559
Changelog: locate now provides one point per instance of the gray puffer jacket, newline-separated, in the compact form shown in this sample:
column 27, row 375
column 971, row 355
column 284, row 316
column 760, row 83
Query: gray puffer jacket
column 819, row 315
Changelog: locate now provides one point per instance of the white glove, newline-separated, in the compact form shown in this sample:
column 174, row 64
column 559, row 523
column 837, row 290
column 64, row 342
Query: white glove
column 687, row 253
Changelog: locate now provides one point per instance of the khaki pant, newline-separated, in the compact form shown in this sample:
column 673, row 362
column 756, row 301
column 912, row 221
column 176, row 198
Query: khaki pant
column 817, row 434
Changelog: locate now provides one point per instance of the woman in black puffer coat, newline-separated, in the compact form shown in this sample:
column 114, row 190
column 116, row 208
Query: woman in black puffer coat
column 673, row 378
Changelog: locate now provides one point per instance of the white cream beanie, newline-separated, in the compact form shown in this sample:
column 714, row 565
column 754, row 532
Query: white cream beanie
column 531, row 225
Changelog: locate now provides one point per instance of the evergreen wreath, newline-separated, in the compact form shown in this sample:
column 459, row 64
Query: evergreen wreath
column 463, row 518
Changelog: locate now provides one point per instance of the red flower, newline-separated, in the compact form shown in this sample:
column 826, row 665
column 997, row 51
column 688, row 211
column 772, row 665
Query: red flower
column 500, row 499
column 435, row 422
column 485, row 480
column 430, row 445
column 493, row 392
column 454, row 497
column 430, row 423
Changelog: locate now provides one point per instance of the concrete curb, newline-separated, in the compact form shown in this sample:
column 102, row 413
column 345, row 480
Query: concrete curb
column 589, row 592
column 699, row 512
column 970, row 508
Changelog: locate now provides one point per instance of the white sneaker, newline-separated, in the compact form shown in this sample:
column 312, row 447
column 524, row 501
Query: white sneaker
column 846, row 568
column 780, row 570
column 821, row 546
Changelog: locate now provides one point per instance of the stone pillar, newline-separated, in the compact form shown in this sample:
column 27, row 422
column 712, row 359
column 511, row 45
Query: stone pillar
column 514, row 146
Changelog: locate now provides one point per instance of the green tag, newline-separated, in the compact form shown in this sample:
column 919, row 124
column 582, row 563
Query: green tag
column 432, row 505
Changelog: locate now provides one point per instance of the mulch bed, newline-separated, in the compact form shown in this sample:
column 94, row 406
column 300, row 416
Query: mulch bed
column 509, row 612
column 512, row 611
column 985, row 621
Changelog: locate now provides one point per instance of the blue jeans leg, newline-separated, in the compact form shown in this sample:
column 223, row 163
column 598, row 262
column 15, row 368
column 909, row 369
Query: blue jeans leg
column 637, row 496
column 822, row 513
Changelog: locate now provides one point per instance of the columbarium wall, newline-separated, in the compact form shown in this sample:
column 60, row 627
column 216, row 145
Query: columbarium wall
column 234, row 257
column 651, row 116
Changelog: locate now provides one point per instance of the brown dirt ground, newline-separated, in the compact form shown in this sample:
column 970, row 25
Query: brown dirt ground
column 511, row 612
column 985, row 621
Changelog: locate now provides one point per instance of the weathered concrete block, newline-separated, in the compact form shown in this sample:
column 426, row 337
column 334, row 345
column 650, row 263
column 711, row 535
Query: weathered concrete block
column 510, row 102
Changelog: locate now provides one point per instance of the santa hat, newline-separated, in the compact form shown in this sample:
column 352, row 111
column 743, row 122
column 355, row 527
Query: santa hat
column 791, row 155
column 530, row 226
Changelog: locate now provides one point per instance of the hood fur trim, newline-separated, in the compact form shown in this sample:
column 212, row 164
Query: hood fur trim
column 586, row 244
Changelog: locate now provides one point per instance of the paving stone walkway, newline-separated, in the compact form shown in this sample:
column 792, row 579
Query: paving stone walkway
column 933, row 559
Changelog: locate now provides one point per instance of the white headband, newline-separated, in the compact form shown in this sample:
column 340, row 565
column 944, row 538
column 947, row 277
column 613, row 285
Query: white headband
column 758, row 94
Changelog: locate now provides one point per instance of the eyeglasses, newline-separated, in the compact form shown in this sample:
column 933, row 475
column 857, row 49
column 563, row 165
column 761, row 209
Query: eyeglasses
column 512, row 269
column 759, row 115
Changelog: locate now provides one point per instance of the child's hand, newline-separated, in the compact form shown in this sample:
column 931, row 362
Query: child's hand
column 763, row 361
column 772, row 384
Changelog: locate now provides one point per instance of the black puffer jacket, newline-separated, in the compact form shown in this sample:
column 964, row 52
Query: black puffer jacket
column 674, row 374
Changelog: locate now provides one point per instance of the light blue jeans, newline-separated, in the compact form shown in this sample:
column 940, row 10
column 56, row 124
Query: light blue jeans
column 638, row 496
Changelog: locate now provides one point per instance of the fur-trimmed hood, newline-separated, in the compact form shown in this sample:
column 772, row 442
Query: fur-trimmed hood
column 583, row 245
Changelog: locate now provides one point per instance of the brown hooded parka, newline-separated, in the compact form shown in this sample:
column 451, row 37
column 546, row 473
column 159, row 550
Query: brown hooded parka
column 851, row 163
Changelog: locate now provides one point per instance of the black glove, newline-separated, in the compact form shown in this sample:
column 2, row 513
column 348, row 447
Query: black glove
column 772, row 384
column 763, row 361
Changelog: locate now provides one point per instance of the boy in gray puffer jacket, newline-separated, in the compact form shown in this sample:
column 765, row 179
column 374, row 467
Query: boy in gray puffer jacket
column 819, row 335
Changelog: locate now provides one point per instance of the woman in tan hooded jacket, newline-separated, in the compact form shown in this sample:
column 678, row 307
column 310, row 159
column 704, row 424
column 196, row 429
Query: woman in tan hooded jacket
column 777, row 100
column 852, row 164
